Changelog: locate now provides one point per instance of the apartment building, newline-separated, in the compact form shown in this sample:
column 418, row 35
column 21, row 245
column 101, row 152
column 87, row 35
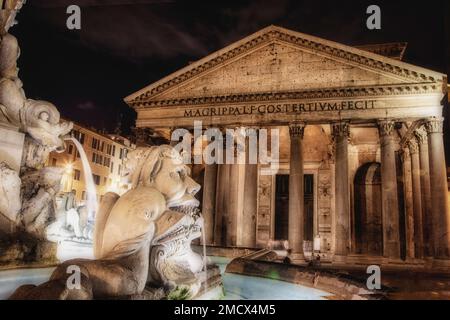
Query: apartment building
column 105, row 154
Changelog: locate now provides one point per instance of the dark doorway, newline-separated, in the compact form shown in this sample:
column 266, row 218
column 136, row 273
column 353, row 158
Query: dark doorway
column 309, row 208
column 282, row 207
column 368, row 226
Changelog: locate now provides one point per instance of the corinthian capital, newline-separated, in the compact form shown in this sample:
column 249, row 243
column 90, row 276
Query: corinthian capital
column 421, row 135
column 340, row 129
column 386, row 127
column 413, row 146
column 434, row 125
column 297, row 129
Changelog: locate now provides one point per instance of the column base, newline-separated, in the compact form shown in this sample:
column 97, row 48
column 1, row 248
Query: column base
column 363, row 260
column 297, row 258
column 339, row 260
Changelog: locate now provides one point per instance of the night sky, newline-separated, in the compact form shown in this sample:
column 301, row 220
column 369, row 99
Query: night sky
column 124, row 45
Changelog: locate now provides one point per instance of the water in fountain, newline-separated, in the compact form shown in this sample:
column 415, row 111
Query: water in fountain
column 91, row 201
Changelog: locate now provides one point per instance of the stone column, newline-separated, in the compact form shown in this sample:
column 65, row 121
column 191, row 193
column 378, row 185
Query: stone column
column 417, row 198
column 248, row 238
column 422, row 139
column 209, row 201
column 222, row 194
column 409, row 206
column 222, row 200
column 439, row 189
column 342, row 217
column 233, row 201
column 391, row 235
column 236, row 190
column 296, row 191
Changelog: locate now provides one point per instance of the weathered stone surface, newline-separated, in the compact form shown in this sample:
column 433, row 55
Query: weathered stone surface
column 277, row 67
column 10, row 201
column 21, row 248
column 11, row 146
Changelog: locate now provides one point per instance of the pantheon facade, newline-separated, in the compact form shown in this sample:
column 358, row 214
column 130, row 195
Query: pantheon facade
column 361, row 167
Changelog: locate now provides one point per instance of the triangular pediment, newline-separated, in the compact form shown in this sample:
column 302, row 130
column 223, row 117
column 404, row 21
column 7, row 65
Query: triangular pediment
column 280, row 60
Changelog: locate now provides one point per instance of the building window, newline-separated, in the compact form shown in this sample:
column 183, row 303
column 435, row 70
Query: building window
column 120, row 170
column 112, row 167
column 77, row 154
column 114, row 151
column 104, row 180
column 54, row 162
column 70, row 149
column 96, row 179
column 98, row 159
column 79, row 136
column 106, row 162
column 94, row 143
column 76, row 175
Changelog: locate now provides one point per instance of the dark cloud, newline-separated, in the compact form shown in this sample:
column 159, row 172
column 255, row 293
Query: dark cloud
column 92, row 3
column 88, row 105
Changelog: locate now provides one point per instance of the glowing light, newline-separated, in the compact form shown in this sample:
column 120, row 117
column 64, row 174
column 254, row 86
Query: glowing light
column 68, row 168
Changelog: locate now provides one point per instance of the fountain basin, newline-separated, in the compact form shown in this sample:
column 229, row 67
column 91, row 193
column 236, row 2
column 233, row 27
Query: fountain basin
column 337, row 285
column 235, row 287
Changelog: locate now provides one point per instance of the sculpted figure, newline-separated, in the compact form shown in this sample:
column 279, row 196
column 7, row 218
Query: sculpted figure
column 125, row 230
column 173, row 264
column 27, row 198
column 40, row 121
column 8, row 14
column 39, row 189
column 10, row 202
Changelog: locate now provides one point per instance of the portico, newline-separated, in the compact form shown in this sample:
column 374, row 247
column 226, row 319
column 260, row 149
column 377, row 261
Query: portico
column 361, row 148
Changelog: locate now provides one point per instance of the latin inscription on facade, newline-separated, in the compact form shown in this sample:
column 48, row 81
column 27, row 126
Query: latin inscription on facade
column 286, row 108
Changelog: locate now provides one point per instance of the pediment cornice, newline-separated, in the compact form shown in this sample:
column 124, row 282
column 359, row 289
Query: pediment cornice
column 331, row 93
column 408, row 73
